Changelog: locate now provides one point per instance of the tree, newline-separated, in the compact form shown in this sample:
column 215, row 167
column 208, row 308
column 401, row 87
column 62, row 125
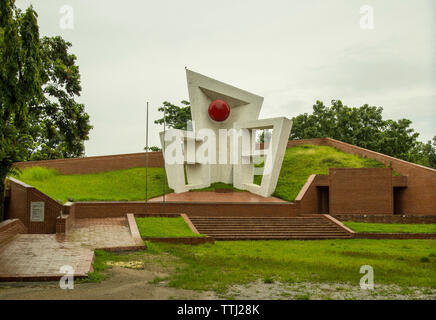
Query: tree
column 364, row 127
column 153, row 149
column 431, row 151
column 39, row 80
column 20, row 84
column 265, row 136
column 176, row 117
column 58, row 124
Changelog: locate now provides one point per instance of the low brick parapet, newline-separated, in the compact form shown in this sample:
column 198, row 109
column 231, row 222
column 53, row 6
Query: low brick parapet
column 10, row 228
column 182, row 240
column 367, row 235
column 406, row 219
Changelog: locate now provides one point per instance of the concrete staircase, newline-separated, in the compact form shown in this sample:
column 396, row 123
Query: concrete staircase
column 264, row 228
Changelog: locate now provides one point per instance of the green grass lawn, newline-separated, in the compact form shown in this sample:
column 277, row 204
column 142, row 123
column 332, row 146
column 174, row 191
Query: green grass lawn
column 215, row 267
column 298, row 164
column 162, row 227
column 390, row 227
column 113, row 185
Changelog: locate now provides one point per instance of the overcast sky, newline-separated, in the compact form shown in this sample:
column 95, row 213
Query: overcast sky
column 290, row 52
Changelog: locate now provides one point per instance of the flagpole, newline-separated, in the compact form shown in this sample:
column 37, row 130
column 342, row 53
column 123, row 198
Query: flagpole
column 163, row 154
column 146, row 162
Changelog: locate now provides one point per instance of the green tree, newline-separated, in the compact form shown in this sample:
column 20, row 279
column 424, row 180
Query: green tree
column 39, row 82
column 364, row 127
column 58, row 124
column 153, row 148
column 20, row 84
column 175, row 117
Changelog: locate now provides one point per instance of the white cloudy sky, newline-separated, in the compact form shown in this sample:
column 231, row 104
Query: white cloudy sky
column 290, row 52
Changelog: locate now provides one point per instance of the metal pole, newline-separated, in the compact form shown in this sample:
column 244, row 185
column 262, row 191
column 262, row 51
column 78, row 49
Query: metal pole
column 163, row 150
column 146, row 163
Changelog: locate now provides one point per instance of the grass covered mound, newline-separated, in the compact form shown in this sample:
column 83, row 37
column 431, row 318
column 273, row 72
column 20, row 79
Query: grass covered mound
column 161, row 227
column 298, row 164
column 302, row 161
column 390, row 227
column 116, row 185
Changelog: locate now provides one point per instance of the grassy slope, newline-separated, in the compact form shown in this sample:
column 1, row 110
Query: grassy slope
column 204, row 267
column 390, row 227
column 164, row 227
column 299, row 163
column 114, row 185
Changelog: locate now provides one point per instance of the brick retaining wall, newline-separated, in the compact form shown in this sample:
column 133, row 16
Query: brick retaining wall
column 10, row 228
column 418, row 219
column 21, row 197
column 106, row 209
column 98, row 164
column 364, row 235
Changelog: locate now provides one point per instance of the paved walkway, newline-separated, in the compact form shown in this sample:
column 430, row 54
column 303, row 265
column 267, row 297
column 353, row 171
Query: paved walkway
column 101, row 233
column 40, row 256
column 212, row 196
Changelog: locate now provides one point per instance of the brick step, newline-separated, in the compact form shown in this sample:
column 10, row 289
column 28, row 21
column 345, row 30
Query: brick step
column 276, row 233
column 259, row 223
column 234, row 228
column 299, row 237
column 255, row 218
column 262, row 224
column 212, row 228
column 260, row 220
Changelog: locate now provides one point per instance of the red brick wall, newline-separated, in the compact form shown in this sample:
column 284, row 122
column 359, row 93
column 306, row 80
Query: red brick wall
column 65, row 222
column 307, row 198
column 361, row 190
column 10, row 228
column 98, row 164
column 376, row 218
column 420, row 194
column 116, row 209
column 21, row 195
column 418, row 198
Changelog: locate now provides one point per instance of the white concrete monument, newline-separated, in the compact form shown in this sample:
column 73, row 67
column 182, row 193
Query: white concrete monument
column 221, row 145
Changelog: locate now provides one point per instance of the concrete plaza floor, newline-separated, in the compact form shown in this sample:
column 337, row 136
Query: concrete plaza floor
column 41, row 256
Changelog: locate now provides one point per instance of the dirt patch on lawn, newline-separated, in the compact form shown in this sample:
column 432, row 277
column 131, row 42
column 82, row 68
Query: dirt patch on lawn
column 259, row 290
column 122, row 283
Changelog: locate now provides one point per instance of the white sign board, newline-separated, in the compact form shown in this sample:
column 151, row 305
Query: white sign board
column 37, row 211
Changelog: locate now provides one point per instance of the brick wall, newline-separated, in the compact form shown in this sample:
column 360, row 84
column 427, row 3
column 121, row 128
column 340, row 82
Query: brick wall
column 360, row 190
column 418, row 198
column 420, row 194
column 376, row 218
column 10, row 228
column 98, row 164
column 21, row 196
column 120, row 208
column 65, row 222
column 308, row 197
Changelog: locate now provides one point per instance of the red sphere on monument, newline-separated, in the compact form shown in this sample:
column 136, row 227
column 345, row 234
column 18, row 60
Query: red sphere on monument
column 219, row 110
